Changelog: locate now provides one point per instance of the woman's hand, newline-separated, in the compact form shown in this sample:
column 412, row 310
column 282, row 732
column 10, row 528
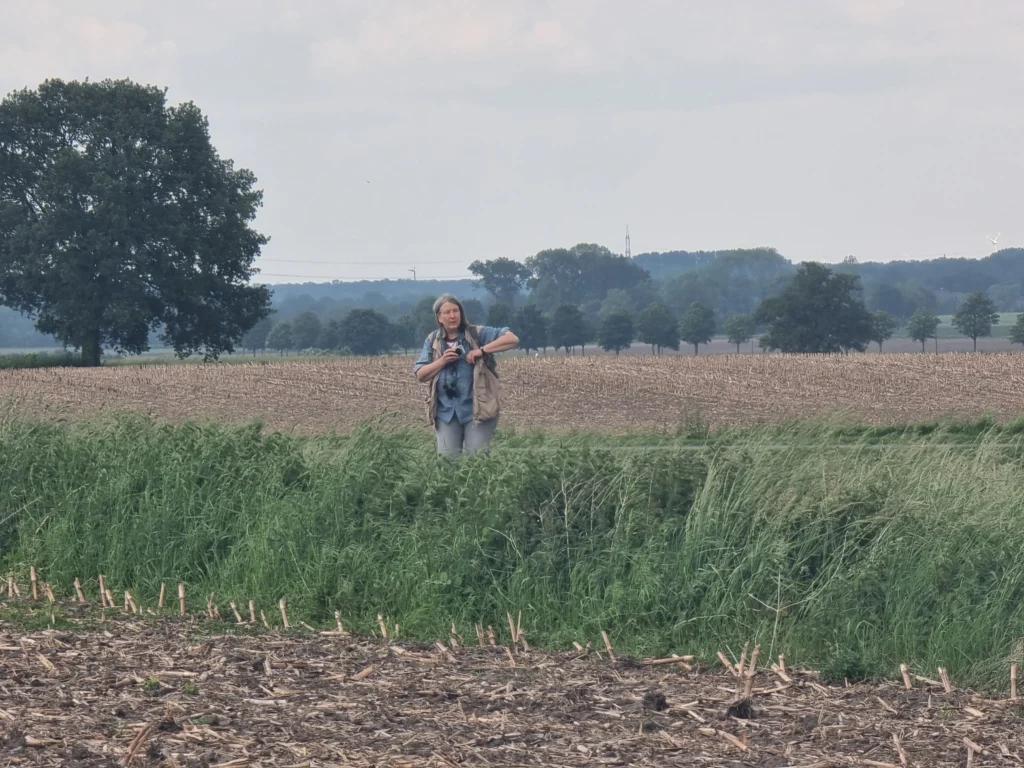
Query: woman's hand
column 451, row 356
column 473, row 355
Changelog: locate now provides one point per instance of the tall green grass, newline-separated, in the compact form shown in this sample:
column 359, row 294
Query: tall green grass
column 854, row 549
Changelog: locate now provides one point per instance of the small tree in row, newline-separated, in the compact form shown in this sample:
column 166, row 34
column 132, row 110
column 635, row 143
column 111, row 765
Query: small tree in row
column 976, row 317
column 923, row 325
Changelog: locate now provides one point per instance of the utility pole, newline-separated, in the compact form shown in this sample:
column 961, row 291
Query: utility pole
column 413, row 270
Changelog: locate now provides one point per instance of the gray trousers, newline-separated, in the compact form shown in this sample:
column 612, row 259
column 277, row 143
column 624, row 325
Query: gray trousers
column 454, row 438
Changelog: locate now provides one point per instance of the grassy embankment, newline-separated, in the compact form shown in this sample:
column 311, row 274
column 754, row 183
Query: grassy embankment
column 852, row 549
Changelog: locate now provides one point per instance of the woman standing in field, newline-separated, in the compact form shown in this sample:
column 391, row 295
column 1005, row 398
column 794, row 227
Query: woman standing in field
column 458, row 362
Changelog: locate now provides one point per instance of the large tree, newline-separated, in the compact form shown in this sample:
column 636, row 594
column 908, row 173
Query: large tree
column 818, row 311
column 118, row 218
column 503, row 278
column 976, row 317
column 585, row 272
column 366, row 332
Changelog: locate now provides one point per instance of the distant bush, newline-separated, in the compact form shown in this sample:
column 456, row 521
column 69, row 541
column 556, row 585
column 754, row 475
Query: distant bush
column 39, row 360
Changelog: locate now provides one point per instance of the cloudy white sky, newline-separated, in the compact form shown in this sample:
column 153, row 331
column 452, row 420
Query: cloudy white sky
column 395, row 134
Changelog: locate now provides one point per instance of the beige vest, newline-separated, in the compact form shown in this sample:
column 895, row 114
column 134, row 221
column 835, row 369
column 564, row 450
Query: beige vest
column 486, row 389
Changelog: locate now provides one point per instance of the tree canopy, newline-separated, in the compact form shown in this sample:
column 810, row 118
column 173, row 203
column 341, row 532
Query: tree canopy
column 503, row 278
column 697, row 325
column 976, row 317
column 658, row 327
column 568, row 328
column 118, row 218
column 923, row 325
column 616, row 332
column 739, row 329
column 883, row 326
column 532, row 328
column 1017, row 330
column 818, row 311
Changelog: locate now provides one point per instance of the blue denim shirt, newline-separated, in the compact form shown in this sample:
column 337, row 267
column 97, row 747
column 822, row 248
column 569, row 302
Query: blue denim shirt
column 456, row 378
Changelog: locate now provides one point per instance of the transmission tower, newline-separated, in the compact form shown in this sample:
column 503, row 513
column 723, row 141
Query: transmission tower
column 629, row 253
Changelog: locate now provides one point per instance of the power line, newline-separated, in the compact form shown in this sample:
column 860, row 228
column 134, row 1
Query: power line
column 362, row 263
column 357, row 279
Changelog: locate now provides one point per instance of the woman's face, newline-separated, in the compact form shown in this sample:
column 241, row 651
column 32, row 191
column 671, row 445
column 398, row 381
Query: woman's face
column 450, row 317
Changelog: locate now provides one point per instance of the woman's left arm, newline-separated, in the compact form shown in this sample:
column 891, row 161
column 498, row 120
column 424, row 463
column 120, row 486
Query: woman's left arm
column 506, row 341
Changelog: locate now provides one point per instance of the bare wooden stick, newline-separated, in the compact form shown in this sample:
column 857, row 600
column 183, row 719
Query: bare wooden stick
column 905, row 671
column 110, row 598
column 512, row 631
column 337, row 621
column 781, row 673
column 138, row 741
column 899, row 750
column 34, row 580
column 78, row 591
column 944, row 677
column 234, row 610
column 748, row 683
column 103, row 591
column 743, row 660
column 252, row 611
column 684, row 660
column 263, row 618
column 181, row 598
column 1013, row 681
column 782, row 663
column 282, row 606
column 162, row 600
column 608, row 645
column 727, row 664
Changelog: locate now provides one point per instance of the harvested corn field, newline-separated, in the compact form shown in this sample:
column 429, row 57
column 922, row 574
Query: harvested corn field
column 555, row 392
column 123, row 692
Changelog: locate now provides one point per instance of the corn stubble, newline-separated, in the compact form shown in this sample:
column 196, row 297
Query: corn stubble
column 553, row 392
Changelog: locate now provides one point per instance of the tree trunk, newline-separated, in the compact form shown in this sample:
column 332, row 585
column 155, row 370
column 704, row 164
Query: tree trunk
column 975, row 340
column 91, row 350
column 695, row 350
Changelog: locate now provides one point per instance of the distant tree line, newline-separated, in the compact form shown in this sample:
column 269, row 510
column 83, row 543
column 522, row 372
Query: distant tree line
column 566, row 299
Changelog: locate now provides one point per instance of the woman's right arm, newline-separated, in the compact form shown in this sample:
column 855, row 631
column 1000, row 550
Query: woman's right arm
column 425, row 368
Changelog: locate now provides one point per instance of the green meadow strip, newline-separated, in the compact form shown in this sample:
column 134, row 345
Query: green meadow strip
column 849, row 549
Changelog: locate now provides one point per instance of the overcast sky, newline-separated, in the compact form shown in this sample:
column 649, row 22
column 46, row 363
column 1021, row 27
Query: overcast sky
column 395, row 134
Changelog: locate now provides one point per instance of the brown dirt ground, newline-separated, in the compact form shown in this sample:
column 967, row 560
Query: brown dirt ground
column 162, row 692
column 554, row 392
